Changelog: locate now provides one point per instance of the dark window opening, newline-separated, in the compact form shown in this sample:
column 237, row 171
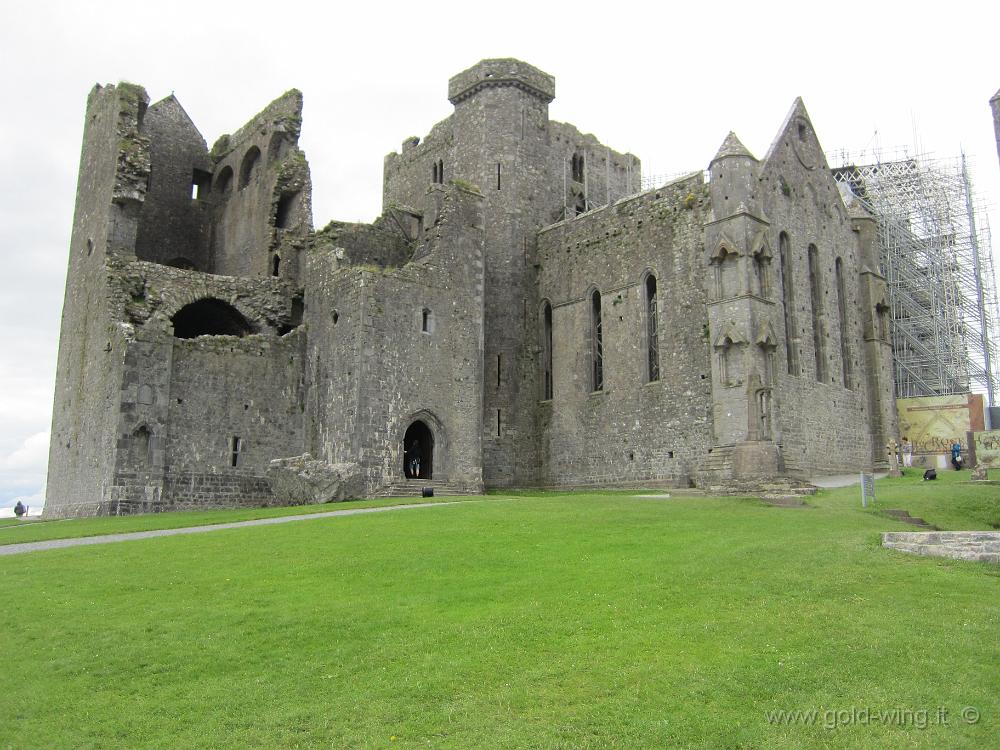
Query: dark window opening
column 418, row 451
column 295, row 318
column 596, row 343
column 236, row 446
column 426, row 321
column 816, row 296
column 788, row 294
column 499, row 367
column 182, row 263
column 437, row 172
column 209, row 317
column 547, row 352
column 577, row 167
column 845, row 354
column 581, row 205
column 498, row 175
column 201, row 182
column 248, row 167
column 140, row 447
column 287, row 204
column 224, row 181
column 652, row 332
column 275, row 265
column 498, row 423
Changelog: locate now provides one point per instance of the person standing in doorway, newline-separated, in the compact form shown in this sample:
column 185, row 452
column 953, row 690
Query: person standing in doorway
column 414, row 462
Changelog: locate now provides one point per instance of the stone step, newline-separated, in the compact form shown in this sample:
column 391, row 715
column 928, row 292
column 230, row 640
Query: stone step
column 904, row 515
column 415, row 488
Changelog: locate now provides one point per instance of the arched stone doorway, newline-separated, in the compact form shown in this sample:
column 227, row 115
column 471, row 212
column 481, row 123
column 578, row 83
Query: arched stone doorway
column 418, row 451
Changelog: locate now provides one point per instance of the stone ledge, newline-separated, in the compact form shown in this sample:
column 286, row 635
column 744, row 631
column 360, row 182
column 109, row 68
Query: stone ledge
column 974, row 546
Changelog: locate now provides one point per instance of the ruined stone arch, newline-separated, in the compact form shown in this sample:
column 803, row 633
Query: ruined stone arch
column 210, row 316
column 224, row 180
column 249, row 165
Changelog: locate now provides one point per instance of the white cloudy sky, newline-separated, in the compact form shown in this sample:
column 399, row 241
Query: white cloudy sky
column 665, row 81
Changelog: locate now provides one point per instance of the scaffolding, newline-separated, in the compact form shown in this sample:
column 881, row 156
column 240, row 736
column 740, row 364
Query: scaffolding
column 938, row 263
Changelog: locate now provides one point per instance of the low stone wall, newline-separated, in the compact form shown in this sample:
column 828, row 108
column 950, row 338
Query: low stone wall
column 975, row 546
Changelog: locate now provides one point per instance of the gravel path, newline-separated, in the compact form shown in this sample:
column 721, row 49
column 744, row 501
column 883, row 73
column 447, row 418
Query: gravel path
column 17, row 549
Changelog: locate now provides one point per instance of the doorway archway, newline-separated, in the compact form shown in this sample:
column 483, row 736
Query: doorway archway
column 418, row 451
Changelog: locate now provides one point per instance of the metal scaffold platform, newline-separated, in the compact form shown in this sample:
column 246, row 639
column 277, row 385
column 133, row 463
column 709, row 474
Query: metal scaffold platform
column 937, row 260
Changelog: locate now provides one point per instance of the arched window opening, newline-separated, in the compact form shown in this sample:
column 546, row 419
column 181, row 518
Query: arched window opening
column 275, row 265
column 652, row 331
column 577, row 167
column 209, row 317
column 426, row 321
column 248, row 168
column 418, row 451
column 596, row 343
column 287, row 204
column 845, row 353
column 788, row 295
column 224, row 180
column 816, row 295
column 547, row 352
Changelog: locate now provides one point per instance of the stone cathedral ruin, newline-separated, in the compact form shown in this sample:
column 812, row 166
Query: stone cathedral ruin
column 521, row 314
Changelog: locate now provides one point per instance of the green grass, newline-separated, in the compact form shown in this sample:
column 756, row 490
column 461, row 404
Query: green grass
column 952, row 502
column 37, row 530
column 554, row 621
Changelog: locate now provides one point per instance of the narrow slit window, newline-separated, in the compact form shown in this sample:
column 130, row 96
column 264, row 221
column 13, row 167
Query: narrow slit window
column 275, row 265
column 498, row 175
column 845, row 353
column 236, row 446
column 816, row 294
column 426, row 321
column 499, row 361
column 547, row 352
column 498, row 423
column 788, row 295
column 596, row 343
column 652, row 333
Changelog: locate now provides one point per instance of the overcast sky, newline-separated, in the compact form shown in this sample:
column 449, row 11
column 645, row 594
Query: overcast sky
column 666, row 82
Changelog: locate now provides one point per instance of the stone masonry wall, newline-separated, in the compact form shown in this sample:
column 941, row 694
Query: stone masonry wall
column 174, row 225
column 114, row 164
column 823, row 426
column 633, row 429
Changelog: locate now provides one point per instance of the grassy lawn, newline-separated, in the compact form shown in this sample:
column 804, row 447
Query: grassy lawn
column 950, row 502
column 553, row 621
column 36, row 530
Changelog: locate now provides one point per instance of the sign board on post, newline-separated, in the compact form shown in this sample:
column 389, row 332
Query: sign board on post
column 867, row 489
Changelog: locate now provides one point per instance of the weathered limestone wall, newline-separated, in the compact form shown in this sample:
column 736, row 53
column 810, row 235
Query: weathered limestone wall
column 822, row 426
column 114, row 164
column 632, row 429
column 262, row 193
column 376, row 370
column 174, row 225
